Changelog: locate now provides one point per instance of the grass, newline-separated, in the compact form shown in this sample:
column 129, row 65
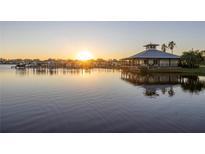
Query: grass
column 195, row 71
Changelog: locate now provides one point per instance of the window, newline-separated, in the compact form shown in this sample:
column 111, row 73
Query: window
column 155, row 61
column 145, row 61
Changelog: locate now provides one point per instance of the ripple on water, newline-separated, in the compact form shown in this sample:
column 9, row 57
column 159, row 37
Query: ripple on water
column 99, row 101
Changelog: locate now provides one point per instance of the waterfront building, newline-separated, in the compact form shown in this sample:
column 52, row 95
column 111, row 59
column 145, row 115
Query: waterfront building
column 152, row 57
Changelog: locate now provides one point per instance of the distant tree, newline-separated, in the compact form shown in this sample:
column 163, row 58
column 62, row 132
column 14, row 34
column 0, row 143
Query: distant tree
column 171, row 45
column 191, row 59
column 164, row 47
column 100, row 60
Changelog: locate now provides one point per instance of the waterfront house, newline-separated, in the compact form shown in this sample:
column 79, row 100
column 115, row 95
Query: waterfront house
column 151, row 57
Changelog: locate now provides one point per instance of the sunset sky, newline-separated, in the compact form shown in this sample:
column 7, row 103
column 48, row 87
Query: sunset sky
column 102, row 39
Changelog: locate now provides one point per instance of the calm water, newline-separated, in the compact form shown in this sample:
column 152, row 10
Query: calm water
column 100, row 100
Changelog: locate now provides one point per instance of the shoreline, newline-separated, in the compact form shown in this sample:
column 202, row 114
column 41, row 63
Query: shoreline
column 179, row 70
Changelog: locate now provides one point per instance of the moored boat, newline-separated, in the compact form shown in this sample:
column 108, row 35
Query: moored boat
column 20, row 66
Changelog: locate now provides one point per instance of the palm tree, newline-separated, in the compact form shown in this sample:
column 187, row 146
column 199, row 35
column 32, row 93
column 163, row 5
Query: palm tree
column 164, row 47
column 171, row 45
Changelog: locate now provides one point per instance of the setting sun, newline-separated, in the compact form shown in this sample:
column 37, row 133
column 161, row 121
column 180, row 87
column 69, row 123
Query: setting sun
column 84, row 55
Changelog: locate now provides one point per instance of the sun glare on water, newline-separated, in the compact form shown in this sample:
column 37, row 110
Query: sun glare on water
column 84, row 55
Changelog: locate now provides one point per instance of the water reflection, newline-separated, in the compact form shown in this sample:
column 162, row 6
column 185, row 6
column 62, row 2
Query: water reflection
column 193, row 84
column 100, row 100
column 22, row 72
column 51, row 71
column 154, row 83
column 45, row 71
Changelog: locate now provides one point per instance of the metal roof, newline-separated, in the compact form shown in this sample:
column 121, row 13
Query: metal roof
column 153, row 53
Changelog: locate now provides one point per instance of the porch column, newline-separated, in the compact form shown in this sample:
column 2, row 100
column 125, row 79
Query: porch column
column 132, row 62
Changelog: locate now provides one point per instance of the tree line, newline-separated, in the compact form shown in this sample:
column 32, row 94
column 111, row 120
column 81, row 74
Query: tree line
column 189, row 59
column 192, row 58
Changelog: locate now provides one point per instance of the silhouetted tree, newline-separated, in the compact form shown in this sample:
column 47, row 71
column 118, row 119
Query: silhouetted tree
column 164, row 47
column 171, row 45
column 191, row 59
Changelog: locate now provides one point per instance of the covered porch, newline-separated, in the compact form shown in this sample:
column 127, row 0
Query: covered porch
column 149, row 62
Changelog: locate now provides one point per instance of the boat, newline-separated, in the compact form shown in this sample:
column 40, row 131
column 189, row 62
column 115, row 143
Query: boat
column 20, row 66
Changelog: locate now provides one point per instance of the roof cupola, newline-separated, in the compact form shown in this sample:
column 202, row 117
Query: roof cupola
column 151, row 46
